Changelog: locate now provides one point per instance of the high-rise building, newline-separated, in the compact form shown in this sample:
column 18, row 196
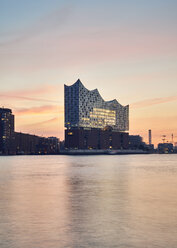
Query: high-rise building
column 150, row 137
column 93, row 123
column 6, row 131
column 87, row 109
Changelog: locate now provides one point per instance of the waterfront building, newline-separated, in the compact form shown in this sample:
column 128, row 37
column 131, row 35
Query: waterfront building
column 6, row 131
column 165, row 148
column 12, row 142
column 87, row 109
column 95, row 138
column 91, row 122
column 136, row 142
column 175, row 147
column 33, row 144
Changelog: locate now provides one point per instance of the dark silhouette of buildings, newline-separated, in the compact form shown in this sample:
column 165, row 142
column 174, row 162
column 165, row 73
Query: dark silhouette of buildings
column 136, row 142
column 165, row 148
column 95, row 138
column 12, row 142
column 32, row 144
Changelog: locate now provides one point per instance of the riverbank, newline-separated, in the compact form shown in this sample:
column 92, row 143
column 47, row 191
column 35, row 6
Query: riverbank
column 101, row 152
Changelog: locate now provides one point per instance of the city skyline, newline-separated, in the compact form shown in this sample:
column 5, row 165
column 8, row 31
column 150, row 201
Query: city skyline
column 128, row 50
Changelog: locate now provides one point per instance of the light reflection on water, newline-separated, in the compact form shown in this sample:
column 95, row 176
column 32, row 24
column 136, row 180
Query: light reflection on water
column 88, row 201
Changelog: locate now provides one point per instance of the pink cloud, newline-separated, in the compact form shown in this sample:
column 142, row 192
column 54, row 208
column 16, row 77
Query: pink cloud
column 47, row 109
column 43, row 89
column 30, row 93
column 26, row 98
column 85, row 47
column 46, row 122
column 153, row 101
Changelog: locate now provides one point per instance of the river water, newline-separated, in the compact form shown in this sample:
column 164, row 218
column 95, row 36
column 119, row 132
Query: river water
column 101, row 201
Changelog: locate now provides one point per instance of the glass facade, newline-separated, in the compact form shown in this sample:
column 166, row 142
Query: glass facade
column 84, row 108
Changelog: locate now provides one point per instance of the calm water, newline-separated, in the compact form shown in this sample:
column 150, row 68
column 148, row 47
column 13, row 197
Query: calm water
column 88, row 201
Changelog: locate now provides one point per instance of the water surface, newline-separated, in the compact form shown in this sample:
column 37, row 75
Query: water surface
column 88, row 201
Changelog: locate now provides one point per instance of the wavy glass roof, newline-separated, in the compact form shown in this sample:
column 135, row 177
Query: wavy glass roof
column 86, row 108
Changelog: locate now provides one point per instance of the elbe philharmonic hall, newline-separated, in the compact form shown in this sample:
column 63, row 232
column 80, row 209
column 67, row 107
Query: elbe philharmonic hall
column 91, row 122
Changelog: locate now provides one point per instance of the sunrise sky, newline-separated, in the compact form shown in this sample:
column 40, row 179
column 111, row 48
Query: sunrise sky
column 127, row 49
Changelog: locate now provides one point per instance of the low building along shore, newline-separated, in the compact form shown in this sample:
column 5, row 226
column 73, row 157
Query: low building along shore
column 16, row 143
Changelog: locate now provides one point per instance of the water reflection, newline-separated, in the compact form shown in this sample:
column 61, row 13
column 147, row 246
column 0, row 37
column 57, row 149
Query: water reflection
column 99, row 204
column 94, row 201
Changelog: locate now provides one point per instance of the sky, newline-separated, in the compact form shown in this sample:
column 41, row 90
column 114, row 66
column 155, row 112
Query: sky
column 126, row 49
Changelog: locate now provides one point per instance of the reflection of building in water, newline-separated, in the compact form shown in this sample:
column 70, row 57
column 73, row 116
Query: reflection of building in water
column 93, row 123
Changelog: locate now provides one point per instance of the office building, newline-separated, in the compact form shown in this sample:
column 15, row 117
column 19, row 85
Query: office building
column 6, row 131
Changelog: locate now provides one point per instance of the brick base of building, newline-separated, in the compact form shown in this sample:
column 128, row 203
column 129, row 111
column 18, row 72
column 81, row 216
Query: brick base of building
column 94, row 138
